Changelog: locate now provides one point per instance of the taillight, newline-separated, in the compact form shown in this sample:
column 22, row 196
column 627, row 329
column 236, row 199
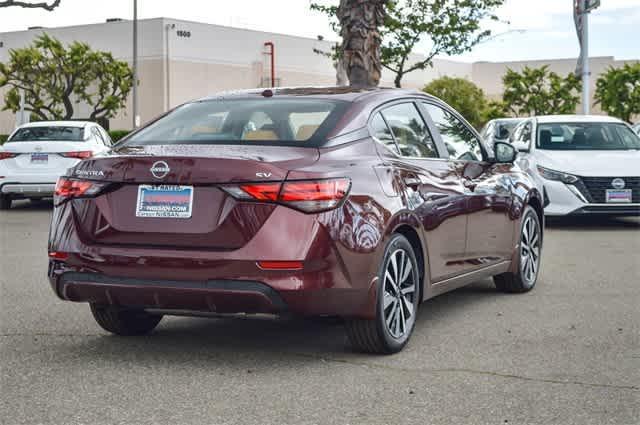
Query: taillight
column 304, row 195
column 77, row 154
column 7, row 155
column 60, row 256
column 67, row 189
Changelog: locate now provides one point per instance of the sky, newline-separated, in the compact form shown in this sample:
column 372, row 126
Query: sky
column 536, row 29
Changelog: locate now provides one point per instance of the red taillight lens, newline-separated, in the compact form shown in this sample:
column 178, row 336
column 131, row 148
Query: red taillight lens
column 78, row 154
column 66, row 189
column 7, row 155
column 307, row 195
column 61, row 256
column 262, row 192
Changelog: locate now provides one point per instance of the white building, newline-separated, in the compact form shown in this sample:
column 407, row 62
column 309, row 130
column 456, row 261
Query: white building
column 182, row 60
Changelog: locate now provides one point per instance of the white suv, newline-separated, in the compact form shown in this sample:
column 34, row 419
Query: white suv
column 36, row 154
column 587, row 164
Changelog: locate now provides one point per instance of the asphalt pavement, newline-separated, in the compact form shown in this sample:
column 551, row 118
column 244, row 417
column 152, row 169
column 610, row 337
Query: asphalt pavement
column 566, row 353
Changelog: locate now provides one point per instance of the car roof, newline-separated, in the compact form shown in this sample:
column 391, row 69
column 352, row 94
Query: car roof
column 80, row 124
column 557, row 119
column 344, row 93
column 508, row 119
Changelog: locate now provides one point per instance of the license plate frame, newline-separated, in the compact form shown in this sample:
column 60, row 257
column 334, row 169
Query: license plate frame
column 164, row 201
column 618, row 196
column 40, row 158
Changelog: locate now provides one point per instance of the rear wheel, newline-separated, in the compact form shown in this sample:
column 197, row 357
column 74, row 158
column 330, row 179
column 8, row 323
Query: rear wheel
column 5, row 202
column 123, row 321
column 524, row 279
column 396, row 306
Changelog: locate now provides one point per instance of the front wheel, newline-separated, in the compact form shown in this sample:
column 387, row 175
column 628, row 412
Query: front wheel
column 530, row 249
column 396, row 306
column 123, row 321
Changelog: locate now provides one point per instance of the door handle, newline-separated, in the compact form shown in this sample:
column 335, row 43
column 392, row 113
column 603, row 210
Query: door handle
column 470, row 185
column 412, row 182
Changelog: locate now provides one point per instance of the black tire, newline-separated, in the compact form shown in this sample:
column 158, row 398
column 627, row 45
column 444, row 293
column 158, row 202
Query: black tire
column 523, row 280
column 124, row 322
column 5, row 202
column 375, row 336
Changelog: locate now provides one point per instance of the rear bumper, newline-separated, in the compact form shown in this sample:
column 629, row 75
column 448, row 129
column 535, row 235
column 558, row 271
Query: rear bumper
column 27, row 189
column 210, row 296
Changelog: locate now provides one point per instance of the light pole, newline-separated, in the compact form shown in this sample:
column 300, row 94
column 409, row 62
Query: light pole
column 584, row 8
column 135, row 65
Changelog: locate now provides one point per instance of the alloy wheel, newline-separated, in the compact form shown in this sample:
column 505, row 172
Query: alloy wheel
column 530, row 250
column 398, row 301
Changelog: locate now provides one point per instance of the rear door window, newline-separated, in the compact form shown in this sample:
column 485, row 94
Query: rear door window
column 410, row 131
column 381, row 132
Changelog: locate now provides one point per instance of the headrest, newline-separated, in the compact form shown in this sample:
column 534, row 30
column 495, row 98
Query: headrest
column 306, row 131
column 545, row 138
column 261, row 135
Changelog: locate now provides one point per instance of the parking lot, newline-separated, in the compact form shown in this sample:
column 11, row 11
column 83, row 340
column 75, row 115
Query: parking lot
column 566, row 353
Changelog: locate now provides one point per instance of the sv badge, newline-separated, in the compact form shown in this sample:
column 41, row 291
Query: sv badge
column 264, row 175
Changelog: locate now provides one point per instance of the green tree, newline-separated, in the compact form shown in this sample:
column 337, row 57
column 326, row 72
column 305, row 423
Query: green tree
column 451, row 27
column 462, row 95
column 41, row 5
column 54, row 78
column 538, row 91
column 618, row 91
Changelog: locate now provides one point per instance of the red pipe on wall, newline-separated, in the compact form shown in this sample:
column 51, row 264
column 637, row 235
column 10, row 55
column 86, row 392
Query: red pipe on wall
column 272, row 52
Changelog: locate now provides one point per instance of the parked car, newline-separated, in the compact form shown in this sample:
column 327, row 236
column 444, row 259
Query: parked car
column 499, row 130
column 36, row 154
column 636, row 128
column 335, row 201
column 587, row 164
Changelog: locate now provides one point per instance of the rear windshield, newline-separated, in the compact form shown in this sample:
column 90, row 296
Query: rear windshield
column 586, row 136
column 48, row 134
column 243, row 121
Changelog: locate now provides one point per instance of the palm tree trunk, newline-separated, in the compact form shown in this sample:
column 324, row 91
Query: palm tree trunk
column 360, row 20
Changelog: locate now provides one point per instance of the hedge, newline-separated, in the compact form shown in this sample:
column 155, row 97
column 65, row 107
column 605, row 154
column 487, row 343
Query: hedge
column 118, row 134
column 3, row 138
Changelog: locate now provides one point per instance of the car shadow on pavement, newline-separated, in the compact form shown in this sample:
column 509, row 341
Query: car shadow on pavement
column 237, row 341
column 592, row 223
column 26, row 205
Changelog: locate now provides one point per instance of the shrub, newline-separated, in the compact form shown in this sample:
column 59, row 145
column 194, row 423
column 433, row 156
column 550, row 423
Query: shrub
column 118, row 134
column 3, row 138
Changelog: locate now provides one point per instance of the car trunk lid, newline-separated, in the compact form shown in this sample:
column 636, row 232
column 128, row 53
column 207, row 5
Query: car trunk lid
column 188, row 173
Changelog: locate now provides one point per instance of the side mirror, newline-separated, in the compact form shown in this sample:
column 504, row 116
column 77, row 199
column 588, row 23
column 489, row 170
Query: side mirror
column 504, row 152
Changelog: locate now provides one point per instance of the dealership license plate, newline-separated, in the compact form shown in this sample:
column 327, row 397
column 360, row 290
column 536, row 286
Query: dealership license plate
column 618, row 196
column 164, row 201
column 39, row 158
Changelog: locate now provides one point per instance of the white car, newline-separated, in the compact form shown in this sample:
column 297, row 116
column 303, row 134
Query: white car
column 587, row 164
column 36, row 154
column 498, row 130
column 636, row 128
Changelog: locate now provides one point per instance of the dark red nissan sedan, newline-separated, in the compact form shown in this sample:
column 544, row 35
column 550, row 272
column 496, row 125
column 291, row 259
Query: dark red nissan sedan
column 357, row 203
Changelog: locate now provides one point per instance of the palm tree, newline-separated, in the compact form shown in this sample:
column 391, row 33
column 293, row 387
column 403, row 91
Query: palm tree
column 360, row 50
